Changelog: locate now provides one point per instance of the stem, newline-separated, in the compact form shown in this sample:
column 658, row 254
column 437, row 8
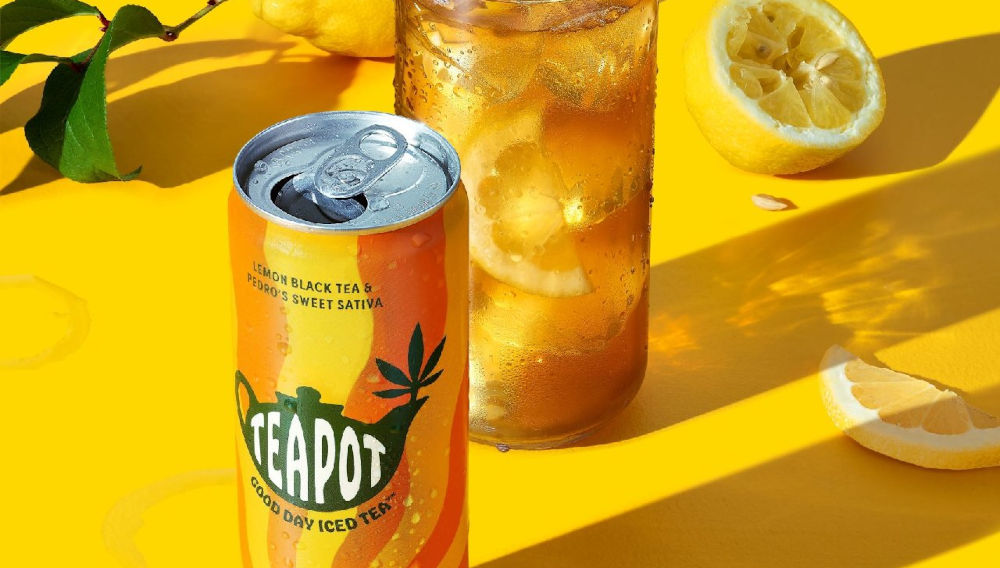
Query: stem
column 81, row 66
column 170, row 33
column 90, row 56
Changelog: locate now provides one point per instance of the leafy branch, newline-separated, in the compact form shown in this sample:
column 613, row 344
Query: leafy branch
column 421, row 375
column 70, row 129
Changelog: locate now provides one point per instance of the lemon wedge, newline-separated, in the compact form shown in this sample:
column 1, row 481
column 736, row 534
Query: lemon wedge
column 518, row 227
column 781, row 87
column 906, row 418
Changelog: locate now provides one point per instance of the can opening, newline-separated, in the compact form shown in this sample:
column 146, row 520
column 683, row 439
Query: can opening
column 298, row 204
column 346, row 172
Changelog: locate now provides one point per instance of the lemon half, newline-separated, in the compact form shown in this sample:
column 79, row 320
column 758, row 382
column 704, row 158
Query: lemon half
column 906, row 418
column 781, row 87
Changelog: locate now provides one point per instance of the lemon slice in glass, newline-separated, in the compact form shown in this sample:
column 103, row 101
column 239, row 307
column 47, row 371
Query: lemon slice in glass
column 518, row 230
column 906, row 418
column 781, row 87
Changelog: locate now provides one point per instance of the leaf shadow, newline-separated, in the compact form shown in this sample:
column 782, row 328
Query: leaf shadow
column 759, row 311
column 935, row 94
column 193, row 127
column 829, row 505
column 127, row 69
column 33, row 174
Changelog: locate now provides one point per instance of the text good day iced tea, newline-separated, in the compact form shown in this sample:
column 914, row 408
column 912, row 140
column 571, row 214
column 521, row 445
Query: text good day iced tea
column 550, row 105
column 349, row 246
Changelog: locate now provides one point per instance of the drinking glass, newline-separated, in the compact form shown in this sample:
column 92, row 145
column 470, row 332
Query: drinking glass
column 550, row 105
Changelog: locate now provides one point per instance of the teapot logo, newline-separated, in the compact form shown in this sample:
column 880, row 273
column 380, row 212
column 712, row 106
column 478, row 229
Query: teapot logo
column 316, row 458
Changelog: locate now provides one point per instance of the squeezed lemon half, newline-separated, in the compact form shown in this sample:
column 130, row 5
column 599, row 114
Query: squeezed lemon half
column 781, row 87
column 906, row 418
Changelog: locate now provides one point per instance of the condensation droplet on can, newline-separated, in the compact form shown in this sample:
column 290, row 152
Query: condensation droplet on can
column 260, row 167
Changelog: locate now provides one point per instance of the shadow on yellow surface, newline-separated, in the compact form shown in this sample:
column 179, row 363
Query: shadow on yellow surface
column 832, row 505
column 128, row 69
column 935, row 94
column 759, row 311
column 35, row 173
column 193, row 127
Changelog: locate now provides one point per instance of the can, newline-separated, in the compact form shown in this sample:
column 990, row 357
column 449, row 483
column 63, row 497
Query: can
column 349, row 247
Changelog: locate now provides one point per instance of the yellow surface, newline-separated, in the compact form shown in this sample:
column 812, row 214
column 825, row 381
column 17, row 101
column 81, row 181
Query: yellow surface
column 119, row 451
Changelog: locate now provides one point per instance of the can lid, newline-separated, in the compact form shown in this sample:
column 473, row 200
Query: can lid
column 347, row 171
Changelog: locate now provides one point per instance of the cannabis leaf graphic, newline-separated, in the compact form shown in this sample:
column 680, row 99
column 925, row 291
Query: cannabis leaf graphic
column 421, row 374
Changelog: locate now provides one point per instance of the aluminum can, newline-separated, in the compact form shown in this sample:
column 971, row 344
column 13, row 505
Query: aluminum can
column 348, row 240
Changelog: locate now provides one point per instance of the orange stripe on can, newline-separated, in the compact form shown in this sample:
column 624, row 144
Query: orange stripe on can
column 445, row 532
column 413, row 276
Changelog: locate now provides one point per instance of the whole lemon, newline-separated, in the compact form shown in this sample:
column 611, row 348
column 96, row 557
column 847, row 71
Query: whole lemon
column 361, row 28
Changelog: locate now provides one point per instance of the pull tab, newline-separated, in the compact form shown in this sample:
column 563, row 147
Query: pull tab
column 347, row 172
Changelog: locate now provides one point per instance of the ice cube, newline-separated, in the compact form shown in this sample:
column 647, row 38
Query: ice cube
column 597, row 58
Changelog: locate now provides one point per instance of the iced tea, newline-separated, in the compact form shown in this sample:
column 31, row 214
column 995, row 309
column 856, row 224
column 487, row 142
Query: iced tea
column 550, row 105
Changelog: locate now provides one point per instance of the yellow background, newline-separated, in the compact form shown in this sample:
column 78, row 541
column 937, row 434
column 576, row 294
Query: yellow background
column 118, row 449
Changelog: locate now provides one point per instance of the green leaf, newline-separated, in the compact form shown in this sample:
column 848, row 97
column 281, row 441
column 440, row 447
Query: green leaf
column 392, row 373
column 22, row 15
column 10, row 60
column 8, row 63
column 430, row 380
column 432, row 361
column 391, row 393
column 416, row 352
column 70, row 130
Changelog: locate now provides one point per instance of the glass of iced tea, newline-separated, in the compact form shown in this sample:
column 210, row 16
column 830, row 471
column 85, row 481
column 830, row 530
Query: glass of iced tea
column 550, row 105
